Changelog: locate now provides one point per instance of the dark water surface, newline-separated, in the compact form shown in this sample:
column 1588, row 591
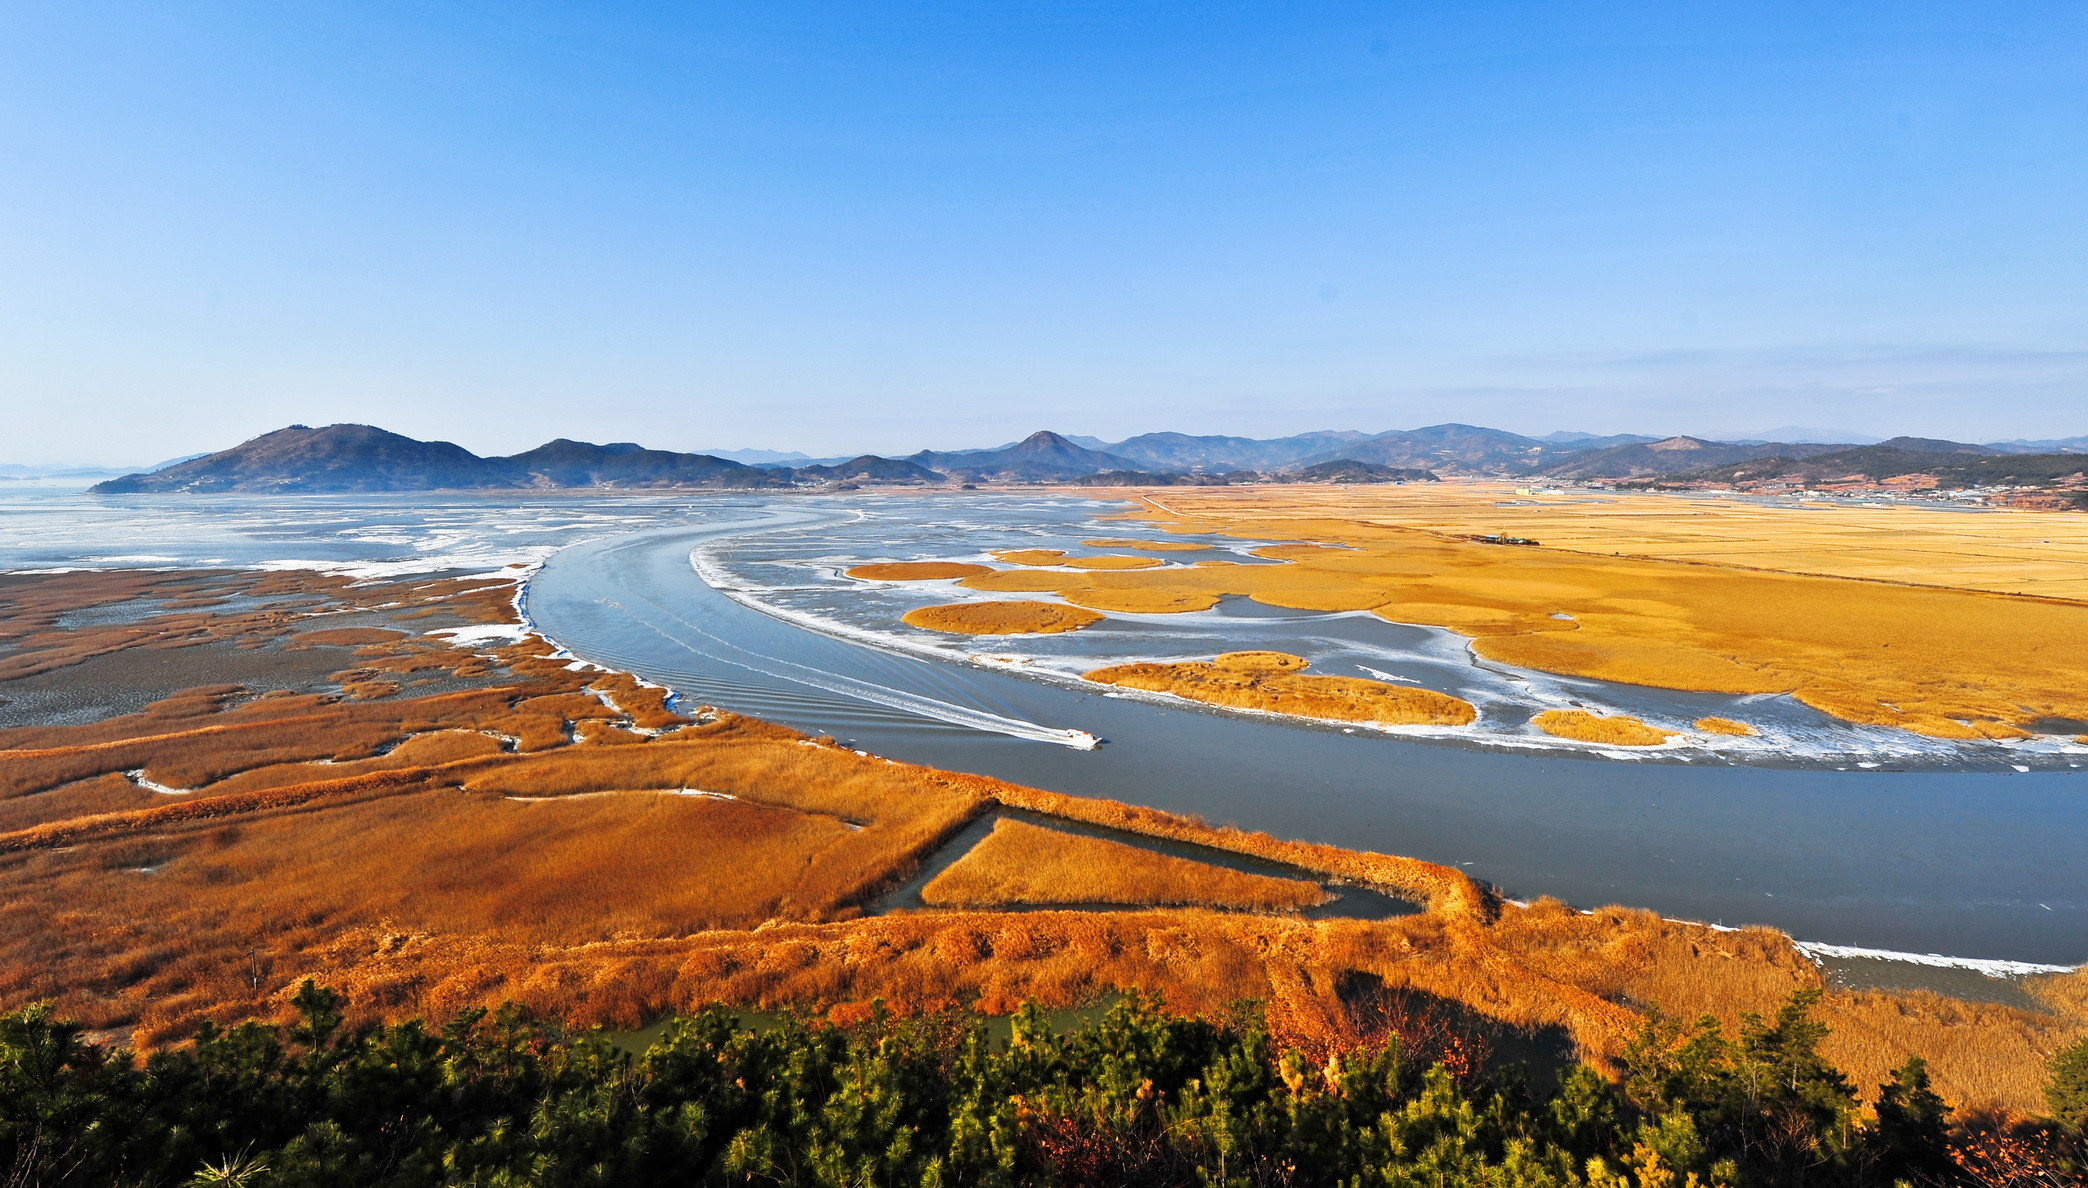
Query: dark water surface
column 1973, row 864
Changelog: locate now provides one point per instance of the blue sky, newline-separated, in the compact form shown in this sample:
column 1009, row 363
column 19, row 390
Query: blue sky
column 884, row 227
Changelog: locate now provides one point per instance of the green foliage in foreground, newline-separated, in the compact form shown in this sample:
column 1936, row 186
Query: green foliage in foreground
column 2067, row 1095
column 1139, row 1097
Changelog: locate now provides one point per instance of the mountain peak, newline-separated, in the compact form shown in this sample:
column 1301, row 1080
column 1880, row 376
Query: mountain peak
column 1043, row 456
column 1044, row 439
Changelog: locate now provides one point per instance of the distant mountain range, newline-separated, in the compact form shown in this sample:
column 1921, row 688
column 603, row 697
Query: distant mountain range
column 1947, row 463
column 1183, row 453
column 766, row 457
column 1801, row 434
column 15, row 472
column 344, row 458
column 1673, row 454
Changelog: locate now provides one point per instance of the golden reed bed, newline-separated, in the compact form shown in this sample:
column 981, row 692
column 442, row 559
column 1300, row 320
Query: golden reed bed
column 1023, row 864
column 1001, row 618
column 1272, row 681
column 2042, row 554
column 528, row 839
column 916, row 571
column 1950, row 663
column 1621, row 730
column 1058, row 557
column 1155, row 546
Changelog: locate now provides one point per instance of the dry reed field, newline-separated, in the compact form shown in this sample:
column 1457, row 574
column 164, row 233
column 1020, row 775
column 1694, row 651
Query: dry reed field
column 565, row 840
column 1020, row 863
column 1057, row 557
column 1270, row 681
column 916, row 571
column 1621, row 730
column 2003, row 551
column 1045, row 557
column 1001, row 618
column 175, row 611
column 1949, row 663
column 1112, row 562
column 1155, row 546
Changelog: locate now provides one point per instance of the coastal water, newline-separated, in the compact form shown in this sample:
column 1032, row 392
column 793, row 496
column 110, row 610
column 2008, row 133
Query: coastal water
column 737, row 601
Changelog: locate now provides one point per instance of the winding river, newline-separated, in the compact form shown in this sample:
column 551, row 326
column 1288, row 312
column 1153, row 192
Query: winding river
column 1975, row 863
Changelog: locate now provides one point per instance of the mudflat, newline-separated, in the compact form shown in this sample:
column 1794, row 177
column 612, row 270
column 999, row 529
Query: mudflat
column 464, row 818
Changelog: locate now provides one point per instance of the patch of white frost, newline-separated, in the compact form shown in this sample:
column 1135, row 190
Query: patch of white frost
column 137, row 776
column 483, row 633
column 1993, row 968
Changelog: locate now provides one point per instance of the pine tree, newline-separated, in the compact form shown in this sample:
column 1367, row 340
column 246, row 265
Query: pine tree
column 2066, row 1093
column 1910, row 1140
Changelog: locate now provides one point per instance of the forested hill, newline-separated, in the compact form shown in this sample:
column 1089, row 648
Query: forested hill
column 1952, row 468
column 340, row 458
column 365, row 458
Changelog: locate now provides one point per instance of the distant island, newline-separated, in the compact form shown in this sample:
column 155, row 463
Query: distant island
column 346, row 458
column 364, row 458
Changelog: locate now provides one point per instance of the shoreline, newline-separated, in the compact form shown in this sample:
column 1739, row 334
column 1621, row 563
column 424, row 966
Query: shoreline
column 1915, row 753
column 1997, row 968
column 264, row 833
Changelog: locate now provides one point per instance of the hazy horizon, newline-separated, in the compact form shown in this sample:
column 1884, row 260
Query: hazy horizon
column 836, row 229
